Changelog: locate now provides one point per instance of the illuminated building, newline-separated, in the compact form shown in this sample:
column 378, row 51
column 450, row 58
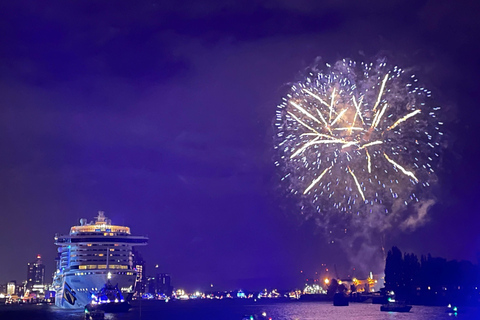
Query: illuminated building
column 35, row 274
column 164, row 284
column 160, row 284
column 11, row 287
column 139, row 266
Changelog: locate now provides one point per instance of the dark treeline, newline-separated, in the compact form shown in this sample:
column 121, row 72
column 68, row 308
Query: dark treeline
column 431, row 281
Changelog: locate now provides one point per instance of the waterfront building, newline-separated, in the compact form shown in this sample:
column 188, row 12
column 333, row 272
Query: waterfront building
column 12, row 287
column 139, row 266
column 160, row 284
column 35, row 274
column 164, row 284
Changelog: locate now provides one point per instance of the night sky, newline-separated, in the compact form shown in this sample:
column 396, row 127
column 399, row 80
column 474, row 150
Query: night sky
column 161, row 114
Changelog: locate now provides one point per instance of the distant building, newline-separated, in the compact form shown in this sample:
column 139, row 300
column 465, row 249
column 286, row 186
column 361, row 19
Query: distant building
column 3, row 288
column 12, row 287
column 373, row 283
column 35, row 274
column 22, row 288
column 139, row 266
column 160, row 284
column 164, row 284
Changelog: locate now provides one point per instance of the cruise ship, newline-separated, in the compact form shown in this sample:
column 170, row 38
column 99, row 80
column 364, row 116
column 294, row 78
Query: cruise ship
column 90, row 256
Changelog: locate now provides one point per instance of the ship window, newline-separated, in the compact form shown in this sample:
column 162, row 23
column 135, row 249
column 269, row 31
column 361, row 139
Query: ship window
column 117, row 266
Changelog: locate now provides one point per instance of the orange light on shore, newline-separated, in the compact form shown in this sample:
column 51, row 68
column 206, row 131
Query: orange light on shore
column 326, row 281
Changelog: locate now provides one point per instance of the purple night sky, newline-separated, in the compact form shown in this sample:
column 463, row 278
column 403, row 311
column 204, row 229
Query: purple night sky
column 161, row 115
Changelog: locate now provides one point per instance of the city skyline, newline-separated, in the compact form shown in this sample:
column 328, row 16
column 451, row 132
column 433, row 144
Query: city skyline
column 162, row 116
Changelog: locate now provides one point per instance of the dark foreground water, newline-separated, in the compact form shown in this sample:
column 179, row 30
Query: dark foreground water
column 231, row 310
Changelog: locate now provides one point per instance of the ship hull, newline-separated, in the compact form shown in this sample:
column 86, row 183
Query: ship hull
column 74, row 291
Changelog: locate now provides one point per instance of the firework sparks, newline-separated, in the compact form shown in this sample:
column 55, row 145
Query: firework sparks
column 371, row 144
column 326, row 122
column 316, row 180
column 403, row 119
column 350, row 128
column 316, row 97
column 357, row 107
column 339, row 116
column 356, row 182
column 408, row 173
column 302, row 123
column 380, row 93
column 369, row 161
column 378, row 117
column 331, row 104
column 304, row 111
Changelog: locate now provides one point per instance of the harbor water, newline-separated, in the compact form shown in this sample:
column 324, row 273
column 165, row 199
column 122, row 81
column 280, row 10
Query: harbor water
column 231, row 310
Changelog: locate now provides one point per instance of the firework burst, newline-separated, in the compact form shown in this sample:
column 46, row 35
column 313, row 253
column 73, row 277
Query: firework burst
column 356, row 136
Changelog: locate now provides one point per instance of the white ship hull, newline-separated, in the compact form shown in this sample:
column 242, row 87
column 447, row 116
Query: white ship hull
column 75, row 291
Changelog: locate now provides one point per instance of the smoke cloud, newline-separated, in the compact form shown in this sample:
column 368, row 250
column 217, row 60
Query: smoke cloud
column 419, row 217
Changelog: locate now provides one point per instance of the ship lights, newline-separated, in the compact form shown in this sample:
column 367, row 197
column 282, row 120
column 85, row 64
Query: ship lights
column 71, row 260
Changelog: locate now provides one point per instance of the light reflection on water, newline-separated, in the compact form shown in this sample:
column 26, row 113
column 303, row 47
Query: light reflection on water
column 233, row 311
column 312, row 310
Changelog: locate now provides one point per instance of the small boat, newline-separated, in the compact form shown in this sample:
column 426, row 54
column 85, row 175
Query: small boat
column 395, row 306
column 451, row 309
column 340, row 299
column 263, row 316
column 109, row 300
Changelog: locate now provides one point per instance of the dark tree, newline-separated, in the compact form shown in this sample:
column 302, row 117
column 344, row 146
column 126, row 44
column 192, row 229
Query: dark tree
column 411, row 272
column 432, row 281
column 394, row 280
column 342, row 288
column 332, row 288
column 353, row 288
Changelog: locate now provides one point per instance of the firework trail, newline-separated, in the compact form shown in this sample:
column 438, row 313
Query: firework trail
column 358, row 137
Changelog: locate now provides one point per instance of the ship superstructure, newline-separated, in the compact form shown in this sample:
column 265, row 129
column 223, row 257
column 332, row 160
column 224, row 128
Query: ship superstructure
column 91, row 255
